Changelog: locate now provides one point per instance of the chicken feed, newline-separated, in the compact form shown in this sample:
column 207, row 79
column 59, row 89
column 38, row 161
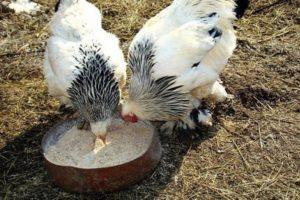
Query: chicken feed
column 125, row 142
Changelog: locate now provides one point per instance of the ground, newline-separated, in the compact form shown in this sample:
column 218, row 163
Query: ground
column 252, row 152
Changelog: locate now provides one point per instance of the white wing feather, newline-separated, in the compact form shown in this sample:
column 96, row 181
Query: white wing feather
column 179, row 44
column 180, row 49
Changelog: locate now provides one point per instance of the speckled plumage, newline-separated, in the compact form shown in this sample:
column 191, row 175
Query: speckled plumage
column 95, row 91
column 167, row 101
column 84, row 63
column 193, row 41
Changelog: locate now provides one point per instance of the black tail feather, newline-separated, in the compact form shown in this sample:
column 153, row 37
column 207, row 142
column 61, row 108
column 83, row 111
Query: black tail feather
column 241, row 7
column 56, row 6
column 198, row 127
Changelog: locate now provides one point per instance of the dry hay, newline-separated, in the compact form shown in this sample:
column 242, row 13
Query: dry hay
column 252, row 151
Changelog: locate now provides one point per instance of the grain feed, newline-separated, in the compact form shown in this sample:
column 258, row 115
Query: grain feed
column 125, row 142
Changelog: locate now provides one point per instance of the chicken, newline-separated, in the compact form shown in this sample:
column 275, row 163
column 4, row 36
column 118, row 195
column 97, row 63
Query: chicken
column 84, row 66
column 176, row 59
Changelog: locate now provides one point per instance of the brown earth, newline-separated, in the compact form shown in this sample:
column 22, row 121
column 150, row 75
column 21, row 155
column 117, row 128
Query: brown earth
column 252, row 152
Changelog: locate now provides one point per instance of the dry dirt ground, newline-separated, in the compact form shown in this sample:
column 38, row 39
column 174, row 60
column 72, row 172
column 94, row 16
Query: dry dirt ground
column 252, row 152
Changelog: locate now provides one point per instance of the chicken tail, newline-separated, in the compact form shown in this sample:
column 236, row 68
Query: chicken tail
column 241, row 7
column 65, row 3
column 57, row 6
column 194, row 9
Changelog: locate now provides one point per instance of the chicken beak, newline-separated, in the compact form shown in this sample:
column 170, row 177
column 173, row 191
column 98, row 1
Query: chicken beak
column 100, row 142
column 99, row 129
column 102, row 138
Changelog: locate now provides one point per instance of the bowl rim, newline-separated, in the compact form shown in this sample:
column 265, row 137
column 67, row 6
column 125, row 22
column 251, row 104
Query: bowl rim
column 51, row 131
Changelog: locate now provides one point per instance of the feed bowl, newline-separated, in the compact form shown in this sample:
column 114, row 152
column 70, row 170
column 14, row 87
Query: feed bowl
column 105, row 179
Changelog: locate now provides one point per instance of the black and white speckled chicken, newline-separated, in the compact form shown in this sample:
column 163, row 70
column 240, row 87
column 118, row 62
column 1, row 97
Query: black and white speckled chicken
column 84, row 65
column 176, row 59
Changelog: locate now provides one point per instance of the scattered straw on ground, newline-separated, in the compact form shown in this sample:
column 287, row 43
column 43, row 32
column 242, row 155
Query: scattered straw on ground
column 251, row 153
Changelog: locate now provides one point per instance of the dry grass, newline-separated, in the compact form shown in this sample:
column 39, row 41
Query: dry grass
column 251, row 153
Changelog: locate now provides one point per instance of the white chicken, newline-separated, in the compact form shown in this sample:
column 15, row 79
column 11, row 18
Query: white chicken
column 84, row 66
column 176, row 59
